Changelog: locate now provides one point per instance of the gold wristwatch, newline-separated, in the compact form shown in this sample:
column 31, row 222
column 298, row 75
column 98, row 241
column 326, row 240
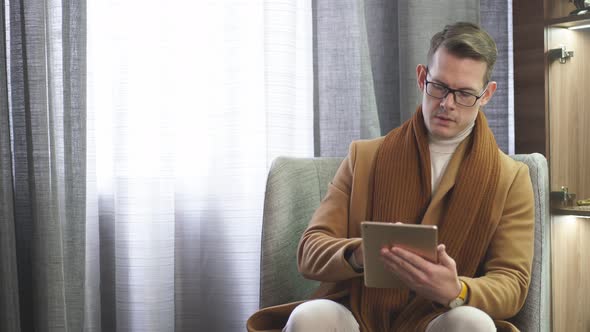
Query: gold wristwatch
column 460, row 299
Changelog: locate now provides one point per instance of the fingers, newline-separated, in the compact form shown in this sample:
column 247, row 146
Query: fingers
column 404, row 264
column 430, row 280
column 444, row 258
column 413, row 259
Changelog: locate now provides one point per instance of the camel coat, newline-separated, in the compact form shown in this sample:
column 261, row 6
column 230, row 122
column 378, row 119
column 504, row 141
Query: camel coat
column 504, row 275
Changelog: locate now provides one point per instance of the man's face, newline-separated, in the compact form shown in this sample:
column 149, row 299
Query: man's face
column 445, row 118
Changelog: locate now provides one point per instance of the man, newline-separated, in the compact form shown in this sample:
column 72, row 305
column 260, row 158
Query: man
column 442, row 167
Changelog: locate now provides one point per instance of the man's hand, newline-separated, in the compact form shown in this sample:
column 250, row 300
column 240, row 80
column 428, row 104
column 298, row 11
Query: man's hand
column 437, row 282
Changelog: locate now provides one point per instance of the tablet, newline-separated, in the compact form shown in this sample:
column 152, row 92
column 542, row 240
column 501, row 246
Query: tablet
column 420, row 239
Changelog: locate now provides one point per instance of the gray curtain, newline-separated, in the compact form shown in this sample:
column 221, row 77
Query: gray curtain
column 496, row 18
column 42, row 165
column 365, row 58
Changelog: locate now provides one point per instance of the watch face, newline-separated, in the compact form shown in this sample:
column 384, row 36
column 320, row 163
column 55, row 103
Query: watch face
column 456, row 303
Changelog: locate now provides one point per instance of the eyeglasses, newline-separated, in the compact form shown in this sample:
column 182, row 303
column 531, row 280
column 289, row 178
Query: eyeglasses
column 463, row 98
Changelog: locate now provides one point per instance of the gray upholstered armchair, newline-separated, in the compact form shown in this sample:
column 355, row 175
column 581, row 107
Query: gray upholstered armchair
column 294, row 190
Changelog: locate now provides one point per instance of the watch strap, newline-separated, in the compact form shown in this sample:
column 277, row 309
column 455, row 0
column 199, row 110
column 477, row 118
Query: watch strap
column 461, row 298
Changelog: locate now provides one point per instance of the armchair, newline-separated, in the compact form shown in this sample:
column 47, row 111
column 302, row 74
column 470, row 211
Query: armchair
column 294, row 190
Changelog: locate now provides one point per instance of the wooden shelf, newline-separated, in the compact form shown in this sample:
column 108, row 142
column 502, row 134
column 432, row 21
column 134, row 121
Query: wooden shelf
column 568, row 21
column 582, row 211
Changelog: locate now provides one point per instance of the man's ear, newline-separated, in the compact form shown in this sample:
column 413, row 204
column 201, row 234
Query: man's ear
column 420, row 76
column 492, row 85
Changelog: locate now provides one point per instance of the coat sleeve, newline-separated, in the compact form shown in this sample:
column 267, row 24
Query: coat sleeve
column 324, row 245
column 502, row 289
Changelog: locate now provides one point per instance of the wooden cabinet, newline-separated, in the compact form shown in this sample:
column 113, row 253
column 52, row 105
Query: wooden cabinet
column 552, row 117
column 569, row 105
column 551, row 99
column 570, row 273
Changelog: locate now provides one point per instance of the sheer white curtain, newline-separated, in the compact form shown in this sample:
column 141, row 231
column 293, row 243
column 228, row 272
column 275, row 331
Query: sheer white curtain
column 189, row 102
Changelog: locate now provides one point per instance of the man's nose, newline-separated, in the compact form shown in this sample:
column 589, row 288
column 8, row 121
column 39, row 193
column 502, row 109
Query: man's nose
column 448, row 102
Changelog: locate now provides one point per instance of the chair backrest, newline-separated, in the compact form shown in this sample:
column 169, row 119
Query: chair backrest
column 535, row 315
column 294, row 189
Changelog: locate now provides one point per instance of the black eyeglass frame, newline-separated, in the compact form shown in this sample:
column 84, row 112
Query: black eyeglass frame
column 453, row 91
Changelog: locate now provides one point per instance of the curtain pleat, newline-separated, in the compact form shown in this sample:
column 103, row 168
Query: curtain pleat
column 495, row 18
column 26, row 213
column 46, row 157
column 73, row 31
column 345, row 106
column 9, row 290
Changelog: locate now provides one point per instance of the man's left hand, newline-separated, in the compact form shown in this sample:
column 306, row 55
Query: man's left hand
column 436, row 282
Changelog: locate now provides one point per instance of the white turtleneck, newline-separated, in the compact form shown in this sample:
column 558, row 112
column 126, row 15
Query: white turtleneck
column 441, row 150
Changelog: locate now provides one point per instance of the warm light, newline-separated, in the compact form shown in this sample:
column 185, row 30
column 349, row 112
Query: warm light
column 585, row 26
column 565, row 220
column 568, row 219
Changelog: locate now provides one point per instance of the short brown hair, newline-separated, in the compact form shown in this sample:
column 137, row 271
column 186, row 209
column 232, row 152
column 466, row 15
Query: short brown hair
column 466, row 40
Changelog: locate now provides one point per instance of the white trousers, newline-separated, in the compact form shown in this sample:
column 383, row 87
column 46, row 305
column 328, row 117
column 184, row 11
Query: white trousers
column 326, row 315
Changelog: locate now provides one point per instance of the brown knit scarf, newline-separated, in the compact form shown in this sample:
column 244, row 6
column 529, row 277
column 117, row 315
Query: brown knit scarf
column 402, row 191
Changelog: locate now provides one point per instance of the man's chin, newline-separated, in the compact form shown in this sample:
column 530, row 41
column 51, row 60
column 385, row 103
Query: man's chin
column 443, row 134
